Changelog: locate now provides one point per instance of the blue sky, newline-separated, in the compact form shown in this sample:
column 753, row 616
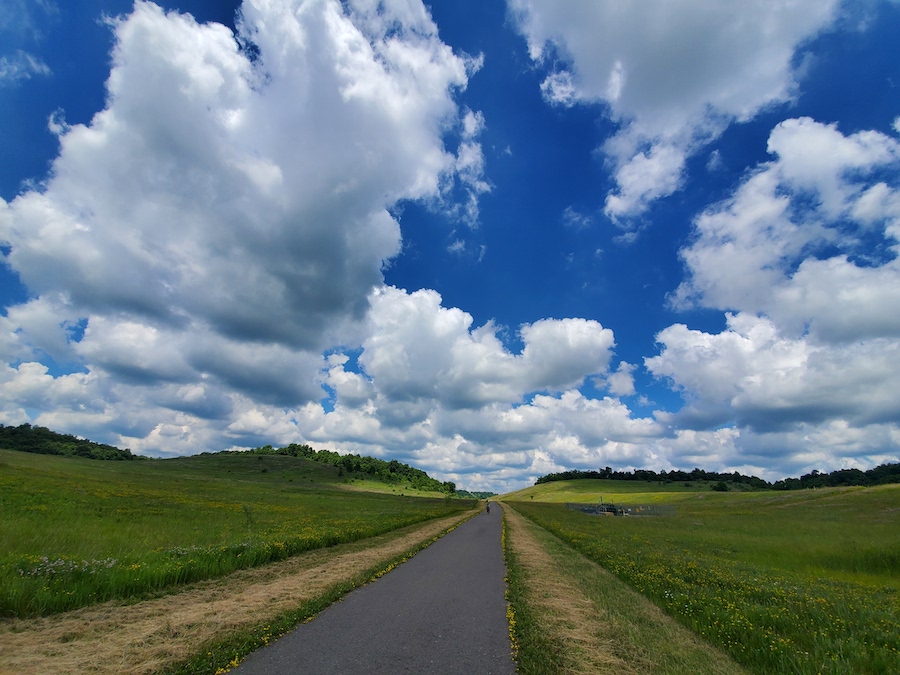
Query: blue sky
column 489, row 239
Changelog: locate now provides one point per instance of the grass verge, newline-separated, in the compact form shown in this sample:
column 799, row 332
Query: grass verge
column 569, row 615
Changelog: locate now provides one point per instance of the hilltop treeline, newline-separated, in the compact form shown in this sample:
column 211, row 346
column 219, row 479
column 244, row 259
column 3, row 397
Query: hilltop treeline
column 880, row 475
column 42, row 441
column 390, row 471
column 468, row 494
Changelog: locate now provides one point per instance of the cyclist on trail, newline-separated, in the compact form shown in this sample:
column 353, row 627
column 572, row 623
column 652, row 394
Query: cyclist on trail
column 488, row 506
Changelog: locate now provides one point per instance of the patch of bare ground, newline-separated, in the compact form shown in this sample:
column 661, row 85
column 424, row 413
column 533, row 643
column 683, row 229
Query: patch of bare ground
column 596, row 623
column 148, row 636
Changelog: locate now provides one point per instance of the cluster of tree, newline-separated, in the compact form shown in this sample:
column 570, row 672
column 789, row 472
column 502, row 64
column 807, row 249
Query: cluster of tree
column 468, row 494
column 389, row 471
column 880, row 475
column 41, row 440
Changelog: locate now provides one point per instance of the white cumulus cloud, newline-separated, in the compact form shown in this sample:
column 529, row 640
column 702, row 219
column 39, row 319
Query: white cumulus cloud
column 432, row 388
column 804, row 258
column 226, row 217
column 672, row 74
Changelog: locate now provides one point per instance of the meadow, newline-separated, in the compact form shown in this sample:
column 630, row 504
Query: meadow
column 787, row 582
column 76, row 532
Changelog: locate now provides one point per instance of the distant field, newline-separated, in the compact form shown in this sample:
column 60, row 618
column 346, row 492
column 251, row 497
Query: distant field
column 77, row 531
column 786, row 582
column 591, row 490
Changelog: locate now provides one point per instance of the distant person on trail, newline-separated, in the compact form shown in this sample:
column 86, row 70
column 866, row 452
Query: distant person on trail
column 488, row 506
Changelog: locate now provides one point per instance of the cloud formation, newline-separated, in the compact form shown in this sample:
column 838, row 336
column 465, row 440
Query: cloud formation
column 804, row 258
column 432, row 388
column 673, row 75
column 226, row 217
column 204, row 261
column 224, row 221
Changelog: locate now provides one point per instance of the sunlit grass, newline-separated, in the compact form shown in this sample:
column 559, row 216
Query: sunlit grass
column 785, row 582
column 75, row 532
column 615, row 491
column 574, row 616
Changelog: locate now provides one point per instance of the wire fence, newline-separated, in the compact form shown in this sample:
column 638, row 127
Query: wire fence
column 610, row 509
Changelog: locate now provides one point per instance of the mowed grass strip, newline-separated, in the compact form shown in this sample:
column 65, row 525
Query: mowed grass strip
column 572, row 616
column 209, row 626
column 77, row 532
column 784, row 582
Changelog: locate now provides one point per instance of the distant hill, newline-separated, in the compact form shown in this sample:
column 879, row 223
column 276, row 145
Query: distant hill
column 42, row 441
column 880, row 475
column 356, row 465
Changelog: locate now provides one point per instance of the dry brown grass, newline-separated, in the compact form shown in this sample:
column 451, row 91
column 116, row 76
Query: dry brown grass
column 147, row 636
column 569, row 619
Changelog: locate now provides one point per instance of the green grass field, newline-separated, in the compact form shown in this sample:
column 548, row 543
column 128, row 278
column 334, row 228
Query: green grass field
column 76, row 531
column 591, row 490
column 786, row 582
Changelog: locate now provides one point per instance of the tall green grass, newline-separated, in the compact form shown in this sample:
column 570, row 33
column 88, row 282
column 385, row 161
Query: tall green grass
column 76, row 532
column 786, row 583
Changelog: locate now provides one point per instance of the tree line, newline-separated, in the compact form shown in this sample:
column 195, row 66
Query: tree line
column 389, row 471
column 42, row 441
column 880, row 475
column 469, row 494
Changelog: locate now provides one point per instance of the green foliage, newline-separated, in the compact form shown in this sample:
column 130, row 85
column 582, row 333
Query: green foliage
column 389, row 471
column 468, row 494
column 77, row 533
column 41, row 440
column 785, row 583
column 884, row 474
column 881, row 475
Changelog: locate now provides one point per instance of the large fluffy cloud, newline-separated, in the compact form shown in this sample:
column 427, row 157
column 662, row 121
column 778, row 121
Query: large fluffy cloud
column 673, row 74
column 418, row 349
column 797, row 238
column 225, row 217
column 204, row 260
column 804, row 258
column 430, row 387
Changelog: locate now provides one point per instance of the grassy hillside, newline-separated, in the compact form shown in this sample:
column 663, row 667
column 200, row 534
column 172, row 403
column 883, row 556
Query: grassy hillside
column 76, row 531
column 803, row 582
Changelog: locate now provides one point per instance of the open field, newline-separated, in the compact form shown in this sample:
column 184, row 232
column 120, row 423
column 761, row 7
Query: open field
column 573, row 616
column 76, row 532
column 590, row 490
column 799, row 582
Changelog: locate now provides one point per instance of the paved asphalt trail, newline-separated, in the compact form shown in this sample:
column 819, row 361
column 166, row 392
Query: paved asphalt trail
column 443, row 611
